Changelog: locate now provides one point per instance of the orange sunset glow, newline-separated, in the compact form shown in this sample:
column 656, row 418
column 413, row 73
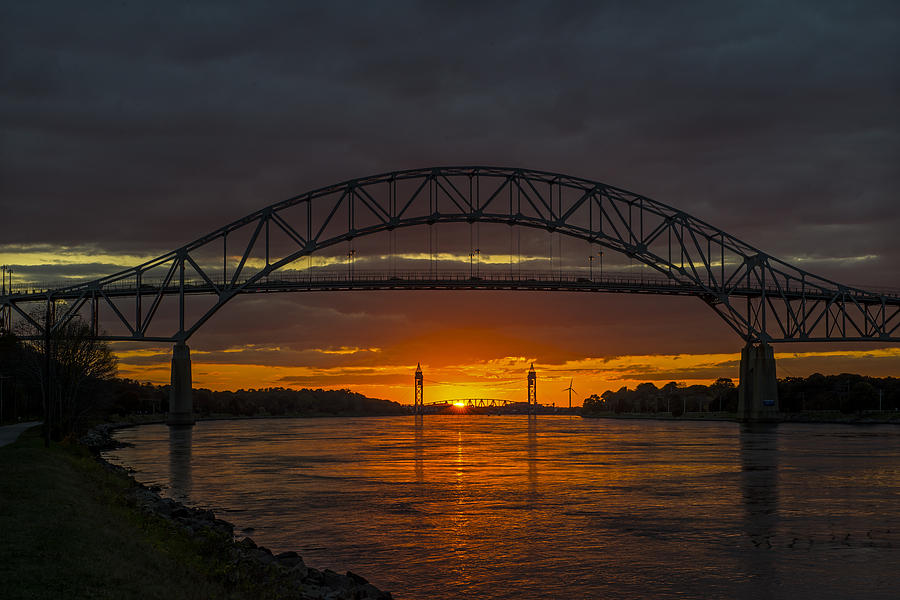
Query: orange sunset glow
column 499, row 378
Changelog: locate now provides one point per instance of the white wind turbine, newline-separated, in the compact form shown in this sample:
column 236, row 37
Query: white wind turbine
column 570, row 390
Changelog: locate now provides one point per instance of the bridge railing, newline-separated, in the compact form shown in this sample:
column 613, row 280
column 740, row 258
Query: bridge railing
column 312, row 280
column 304, row 278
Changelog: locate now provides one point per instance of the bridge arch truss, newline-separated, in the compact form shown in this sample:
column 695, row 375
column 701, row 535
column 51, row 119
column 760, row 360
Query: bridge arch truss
column 762, row 298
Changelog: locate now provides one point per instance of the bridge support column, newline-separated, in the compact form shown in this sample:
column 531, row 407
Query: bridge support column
column 758, row 391
column 181, row 401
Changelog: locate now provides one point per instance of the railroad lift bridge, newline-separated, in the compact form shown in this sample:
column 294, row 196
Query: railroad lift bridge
column 762, row 299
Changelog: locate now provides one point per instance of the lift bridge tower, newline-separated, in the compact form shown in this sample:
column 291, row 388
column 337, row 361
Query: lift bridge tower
column 532, row 391
column 418, row 401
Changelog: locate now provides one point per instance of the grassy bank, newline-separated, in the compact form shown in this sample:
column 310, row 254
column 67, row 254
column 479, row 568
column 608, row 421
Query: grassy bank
column 68, row 532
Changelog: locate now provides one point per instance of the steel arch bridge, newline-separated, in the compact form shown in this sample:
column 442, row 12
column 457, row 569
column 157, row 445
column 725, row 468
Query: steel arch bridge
column 763, row 299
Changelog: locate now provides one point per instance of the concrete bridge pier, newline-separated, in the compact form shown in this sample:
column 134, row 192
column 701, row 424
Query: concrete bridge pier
column 758, row 391
column 181, row 401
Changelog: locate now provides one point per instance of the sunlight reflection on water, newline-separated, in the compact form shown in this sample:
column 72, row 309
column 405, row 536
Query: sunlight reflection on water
column 554, row 507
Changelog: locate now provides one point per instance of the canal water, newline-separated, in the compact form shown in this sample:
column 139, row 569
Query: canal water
column 495, row 507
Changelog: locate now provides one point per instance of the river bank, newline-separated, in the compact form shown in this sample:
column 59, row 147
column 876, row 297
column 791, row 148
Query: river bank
column 824, row 417
column 76, row 526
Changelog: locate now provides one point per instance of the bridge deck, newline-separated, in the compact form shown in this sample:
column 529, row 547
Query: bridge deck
column 537, row 281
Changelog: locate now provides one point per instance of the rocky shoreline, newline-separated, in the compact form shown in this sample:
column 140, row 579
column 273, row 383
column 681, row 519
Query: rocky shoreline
column 237, row 563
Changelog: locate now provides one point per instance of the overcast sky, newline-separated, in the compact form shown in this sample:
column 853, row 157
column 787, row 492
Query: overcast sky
column 131, row 128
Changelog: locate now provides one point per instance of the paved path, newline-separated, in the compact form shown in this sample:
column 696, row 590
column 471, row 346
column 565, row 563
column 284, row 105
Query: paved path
column 10, row 433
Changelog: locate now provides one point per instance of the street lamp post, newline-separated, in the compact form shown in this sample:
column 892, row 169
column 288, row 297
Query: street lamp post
column 5, row 276
column 2, row 377
column 3, row 293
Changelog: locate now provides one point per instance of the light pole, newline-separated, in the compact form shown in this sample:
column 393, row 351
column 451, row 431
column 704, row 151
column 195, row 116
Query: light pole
column 2, row 377
column 5, row 275
column 601, row 265
column 350, row 256
column 3, row 293
column 591, row 261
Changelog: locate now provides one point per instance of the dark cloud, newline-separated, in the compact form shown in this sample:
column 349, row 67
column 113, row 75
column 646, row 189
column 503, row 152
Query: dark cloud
column 139, row 126
column 170, row 119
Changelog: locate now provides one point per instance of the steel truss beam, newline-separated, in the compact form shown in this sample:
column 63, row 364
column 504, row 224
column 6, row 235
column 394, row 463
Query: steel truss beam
column 762, row 298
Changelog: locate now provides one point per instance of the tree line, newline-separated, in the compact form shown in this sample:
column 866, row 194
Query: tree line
column 675, row 398
column 69, row 379
column 128, row 397
column 847, row 393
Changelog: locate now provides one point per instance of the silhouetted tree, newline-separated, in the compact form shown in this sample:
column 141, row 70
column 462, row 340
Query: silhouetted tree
column 863, row 396
column 672, row 395
column 77, row 361
column 593, row 404
column 723, row 390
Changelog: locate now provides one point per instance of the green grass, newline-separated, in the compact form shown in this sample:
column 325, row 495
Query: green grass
column 67, row 531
